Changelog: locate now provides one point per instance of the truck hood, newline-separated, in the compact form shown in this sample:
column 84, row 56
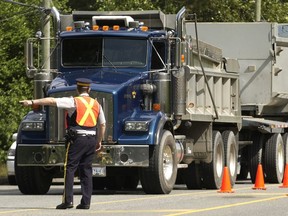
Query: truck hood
column 104, row 80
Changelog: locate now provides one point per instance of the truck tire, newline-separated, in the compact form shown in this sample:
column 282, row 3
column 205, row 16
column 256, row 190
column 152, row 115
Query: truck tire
column 33, row 180
column 192, row 176
column 255, row 154
column 231, row 154
column 160, row 176
column 274, row 159
column 213, row 171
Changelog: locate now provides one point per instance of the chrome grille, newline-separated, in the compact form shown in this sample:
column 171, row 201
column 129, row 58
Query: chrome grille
column 57, row 116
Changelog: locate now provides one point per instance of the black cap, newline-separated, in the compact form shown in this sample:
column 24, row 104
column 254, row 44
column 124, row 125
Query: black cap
column 83, row 82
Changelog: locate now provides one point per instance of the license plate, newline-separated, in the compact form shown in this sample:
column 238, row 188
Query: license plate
column 99, row 171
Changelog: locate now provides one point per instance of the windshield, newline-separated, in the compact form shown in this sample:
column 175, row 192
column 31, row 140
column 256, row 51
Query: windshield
column 108, row 52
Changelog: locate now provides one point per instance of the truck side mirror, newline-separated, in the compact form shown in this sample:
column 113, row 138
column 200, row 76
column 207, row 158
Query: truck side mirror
column 30, row 68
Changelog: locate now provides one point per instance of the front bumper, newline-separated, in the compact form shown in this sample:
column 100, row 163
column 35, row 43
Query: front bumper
column 109, row 155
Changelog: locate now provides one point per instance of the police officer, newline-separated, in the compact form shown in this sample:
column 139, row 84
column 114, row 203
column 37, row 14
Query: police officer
column 84, row 113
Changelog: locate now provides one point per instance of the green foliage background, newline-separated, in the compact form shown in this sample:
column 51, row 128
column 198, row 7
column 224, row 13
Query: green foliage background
column 17, row 23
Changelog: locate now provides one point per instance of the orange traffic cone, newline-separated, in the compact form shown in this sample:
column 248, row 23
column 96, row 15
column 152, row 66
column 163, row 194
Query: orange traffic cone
column 259, row 181
column 285, row 179
column 226, row 184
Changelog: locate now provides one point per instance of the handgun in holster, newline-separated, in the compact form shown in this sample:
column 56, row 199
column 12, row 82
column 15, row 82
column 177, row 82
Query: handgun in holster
column 70, row 136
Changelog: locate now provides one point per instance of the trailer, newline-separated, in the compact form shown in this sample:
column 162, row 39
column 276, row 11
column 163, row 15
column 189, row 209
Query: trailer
column 262, row 52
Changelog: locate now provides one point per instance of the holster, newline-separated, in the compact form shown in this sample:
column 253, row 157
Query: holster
column 70, row 136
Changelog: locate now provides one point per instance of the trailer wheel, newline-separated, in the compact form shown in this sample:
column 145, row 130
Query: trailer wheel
column 274, row 159
column 192, row 176
column 33, row 180
column 255, row 154
column 231, row 154
column 160, row 176
column 213, row 171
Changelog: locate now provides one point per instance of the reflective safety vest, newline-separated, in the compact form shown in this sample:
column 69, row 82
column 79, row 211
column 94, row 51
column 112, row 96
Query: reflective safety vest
column 87, row 110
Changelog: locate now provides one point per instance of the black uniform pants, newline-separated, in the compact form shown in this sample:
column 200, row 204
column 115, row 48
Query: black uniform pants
column 79, row 154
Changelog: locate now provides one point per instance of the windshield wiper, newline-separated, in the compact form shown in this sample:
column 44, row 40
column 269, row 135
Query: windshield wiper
column 105, row 57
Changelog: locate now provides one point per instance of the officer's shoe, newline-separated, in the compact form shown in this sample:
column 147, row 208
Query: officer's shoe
column 82, row 206
column 64, row 206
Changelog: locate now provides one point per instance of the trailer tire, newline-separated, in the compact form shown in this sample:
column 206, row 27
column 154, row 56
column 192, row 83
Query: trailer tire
column 192, row 176
column 160, row 176
column 213, row 171
column 274, row 159
column 255, row 154
column 33, row 180
column 231, row 154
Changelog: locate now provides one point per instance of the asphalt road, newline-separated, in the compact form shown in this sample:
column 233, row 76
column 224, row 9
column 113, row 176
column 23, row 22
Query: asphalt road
column 244, row 201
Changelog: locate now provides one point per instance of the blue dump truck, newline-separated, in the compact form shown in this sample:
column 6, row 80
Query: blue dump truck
column 171, row 102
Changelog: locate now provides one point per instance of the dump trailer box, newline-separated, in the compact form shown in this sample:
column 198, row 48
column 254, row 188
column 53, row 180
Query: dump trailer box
column 262, row 52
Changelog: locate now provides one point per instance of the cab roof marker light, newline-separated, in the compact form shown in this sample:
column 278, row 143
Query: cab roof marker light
column 105, row 28
column 69, row 28
column 116, row 27
column 95, row 27
column 144, row 28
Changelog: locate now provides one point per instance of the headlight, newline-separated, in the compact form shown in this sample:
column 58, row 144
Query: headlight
column 33, row 126
column 11, row 153
column 136, row 126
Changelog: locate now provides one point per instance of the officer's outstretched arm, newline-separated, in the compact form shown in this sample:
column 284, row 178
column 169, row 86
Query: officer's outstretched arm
column 49, row 101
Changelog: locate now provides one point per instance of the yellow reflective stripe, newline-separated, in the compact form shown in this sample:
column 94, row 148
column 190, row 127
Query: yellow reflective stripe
column 65, row 171
column 88, row 111
column 91, row 111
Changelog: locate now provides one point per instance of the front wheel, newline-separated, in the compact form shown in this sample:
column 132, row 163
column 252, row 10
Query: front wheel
column 160, row 176
column 33, row 180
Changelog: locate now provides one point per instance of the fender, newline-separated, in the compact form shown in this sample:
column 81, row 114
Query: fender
column 164, row 123
column 157, row 122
